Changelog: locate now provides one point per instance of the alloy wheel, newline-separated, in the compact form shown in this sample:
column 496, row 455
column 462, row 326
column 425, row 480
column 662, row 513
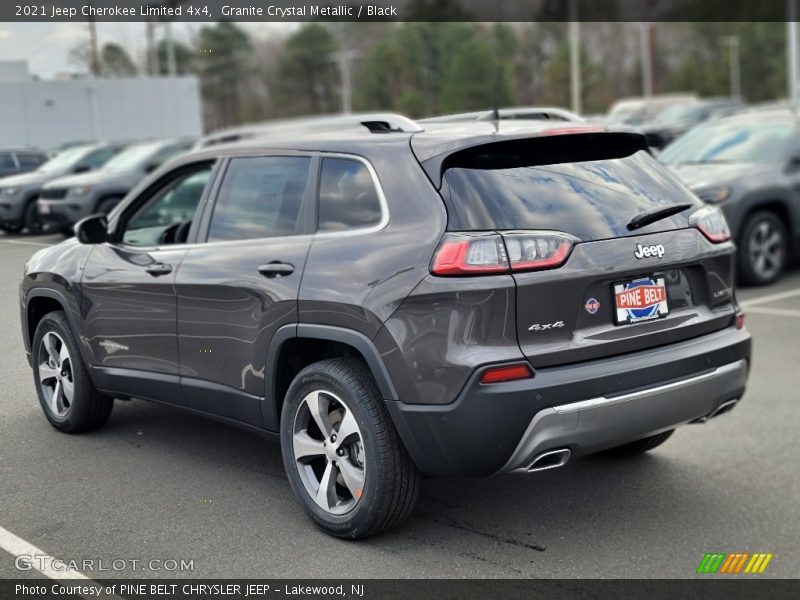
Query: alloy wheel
column 767, row 249
column 329, row 452
column 55, row 374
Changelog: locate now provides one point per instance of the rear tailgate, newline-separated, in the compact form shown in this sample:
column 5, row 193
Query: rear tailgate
column 578, row 300
column 671, row 281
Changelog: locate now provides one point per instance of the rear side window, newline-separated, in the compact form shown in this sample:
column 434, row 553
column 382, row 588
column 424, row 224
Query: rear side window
column 260, row 197
column 348, row 198
column 590, row 199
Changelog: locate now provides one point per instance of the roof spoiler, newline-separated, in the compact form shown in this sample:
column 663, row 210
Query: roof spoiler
column 546, row 148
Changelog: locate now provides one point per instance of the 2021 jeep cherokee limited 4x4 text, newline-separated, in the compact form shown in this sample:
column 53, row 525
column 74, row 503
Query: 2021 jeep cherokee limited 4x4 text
column 391, row 302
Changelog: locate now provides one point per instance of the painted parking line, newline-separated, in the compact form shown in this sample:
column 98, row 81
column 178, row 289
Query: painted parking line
column 778, row 312
column 770, row 298
column 16, row 546
column 43, row 563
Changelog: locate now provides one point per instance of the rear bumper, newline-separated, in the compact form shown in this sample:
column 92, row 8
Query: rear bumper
column 584, row 407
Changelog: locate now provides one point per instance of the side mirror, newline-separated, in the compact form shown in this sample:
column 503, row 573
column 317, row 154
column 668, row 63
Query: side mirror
column 82, row 169
column 92, row 230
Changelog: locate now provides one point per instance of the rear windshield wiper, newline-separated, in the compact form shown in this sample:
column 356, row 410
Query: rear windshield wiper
column 651, row 216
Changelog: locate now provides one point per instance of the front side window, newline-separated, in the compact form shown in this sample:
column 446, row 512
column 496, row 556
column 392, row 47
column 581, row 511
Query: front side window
column 260, row 197
column 166, row 218
column 348, row 198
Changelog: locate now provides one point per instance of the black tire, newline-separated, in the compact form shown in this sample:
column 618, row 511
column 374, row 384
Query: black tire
column 390, row 480
column 31, row 220
column 751, row 247
column 88, row 409
column 106, row 205
column 639, row 446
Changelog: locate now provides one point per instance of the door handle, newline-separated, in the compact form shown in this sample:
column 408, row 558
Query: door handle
column 158, row 269
column 276, row 269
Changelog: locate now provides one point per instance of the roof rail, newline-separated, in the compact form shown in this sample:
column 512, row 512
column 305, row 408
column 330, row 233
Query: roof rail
column 373, row 122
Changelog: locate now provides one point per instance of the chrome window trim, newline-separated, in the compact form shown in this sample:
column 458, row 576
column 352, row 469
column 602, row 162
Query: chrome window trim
column 384, row 220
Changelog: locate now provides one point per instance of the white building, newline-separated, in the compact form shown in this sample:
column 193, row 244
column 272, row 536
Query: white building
column 50, row 113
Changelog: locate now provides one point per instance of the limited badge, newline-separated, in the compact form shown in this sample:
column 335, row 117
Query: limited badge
column 592, row 306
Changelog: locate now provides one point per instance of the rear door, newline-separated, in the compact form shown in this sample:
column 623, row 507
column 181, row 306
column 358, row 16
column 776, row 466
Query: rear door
column 241, row 283
column 609, row 288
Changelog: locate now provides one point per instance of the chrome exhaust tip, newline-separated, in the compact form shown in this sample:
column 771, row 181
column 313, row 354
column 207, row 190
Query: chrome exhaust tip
column 720, row 410
column 550, row 460
column 723, row 408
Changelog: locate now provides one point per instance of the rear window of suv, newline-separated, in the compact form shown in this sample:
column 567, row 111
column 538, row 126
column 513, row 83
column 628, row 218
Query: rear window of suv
column 590, row 199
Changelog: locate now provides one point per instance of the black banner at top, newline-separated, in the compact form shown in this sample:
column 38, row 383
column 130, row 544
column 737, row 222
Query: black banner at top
column 395, row 10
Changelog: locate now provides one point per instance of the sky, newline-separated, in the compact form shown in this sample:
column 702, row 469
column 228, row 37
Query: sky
column 46, row 46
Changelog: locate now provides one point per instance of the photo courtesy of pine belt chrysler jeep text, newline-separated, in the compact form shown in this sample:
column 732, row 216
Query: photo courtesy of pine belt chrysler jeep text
column 391, row 302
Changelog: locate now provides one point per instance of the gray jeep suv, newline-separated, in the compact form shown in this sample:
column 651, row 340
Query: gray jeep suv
column 749, row 166
column 390, row 302
column 66, row 200
column 18, row 193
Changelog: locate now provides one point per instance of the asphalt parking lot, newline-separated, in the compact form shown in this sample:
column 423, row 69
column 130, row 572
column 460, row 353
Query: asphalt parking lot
column 157, row 483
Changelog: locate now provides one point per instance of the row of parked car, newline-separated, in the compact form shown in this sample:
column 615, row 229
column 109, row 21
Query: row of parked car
column 744, row 159
column 78, row 181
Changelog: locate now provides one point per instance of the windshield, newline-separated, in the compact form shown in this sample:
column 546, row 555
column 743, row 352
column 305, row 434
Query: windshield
column 731, row 141
column 131, row 158
column 63, row 160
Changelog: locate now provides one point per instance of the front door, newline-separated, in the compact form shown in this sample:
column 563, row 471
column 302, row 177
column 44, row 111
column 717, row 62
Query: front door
column 128, row 303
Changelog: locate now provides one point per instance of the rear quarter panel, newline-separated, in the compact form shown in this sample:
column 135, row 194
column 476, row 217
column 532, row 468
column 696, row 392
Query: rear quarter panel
column 357, row 281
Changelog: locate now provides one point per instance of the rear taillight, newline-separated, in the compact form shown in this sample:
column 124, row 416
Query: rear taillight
column 740, row 320
column 506, row 373
column 711, row 223
column 464, row 254
column 532, row 251
column 490, row 253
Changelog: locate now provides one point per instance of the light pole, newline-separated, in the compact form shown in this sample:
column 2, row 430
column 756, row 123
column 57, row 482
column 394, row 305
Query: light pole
column 647, row 65
column 575, row 57
column 791, row 33
column 732, row 42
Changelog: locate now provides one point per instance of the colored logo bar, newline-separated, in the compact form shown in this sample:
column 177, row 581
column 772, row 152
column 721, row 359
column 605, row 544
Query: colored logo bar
column 734, row 563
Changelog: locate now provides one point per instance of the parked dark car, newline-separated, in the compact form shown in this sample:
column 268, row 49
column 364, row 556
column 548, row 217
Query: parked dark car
column 673, row 122
column 748, row 165
column 18, row 193
column 66, row 200
column 487, row 298
column 20, row 160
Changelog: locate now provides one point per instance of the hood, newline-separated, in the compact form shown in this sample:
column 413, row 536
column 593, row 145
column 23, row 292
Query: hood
column 95, row 178
column 700, row 176
column 32, row 178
